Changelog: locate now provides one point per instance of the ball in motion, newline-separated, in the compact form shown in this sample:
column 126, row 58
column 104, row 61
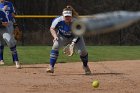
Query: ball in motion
column 95, row 84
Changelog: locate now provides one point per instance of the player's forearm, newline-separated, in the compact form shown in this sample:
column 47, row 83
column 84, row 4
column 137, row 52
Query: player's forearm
column 53, row 32
column 75, row 39
column 5, row 24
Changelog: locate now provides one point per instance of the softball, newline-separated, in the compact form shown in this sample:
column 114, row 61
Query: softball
column 95, row 84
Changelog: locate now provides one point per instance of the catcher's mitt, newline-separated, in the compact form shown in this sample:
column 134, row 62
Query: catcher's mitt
column 17, row 32
column 69, row 49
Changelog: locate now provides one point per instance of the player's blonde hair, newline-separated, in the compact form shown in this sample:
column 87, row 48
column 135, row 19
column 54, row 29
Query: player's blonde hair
column 70, row 8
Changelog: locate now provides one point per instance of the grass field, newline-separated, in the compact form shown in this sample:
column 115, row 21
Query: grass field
column 114, row 76
column 40, row 54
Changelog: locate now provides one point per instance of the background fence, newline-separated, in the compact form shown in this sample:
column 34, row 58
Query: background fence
column 36, row 30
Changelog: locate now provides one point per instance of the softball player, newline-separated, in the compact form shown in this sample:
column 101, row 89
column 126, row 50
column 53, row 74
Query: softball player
column 8, row 38
column 10, row 11
column 61, row 32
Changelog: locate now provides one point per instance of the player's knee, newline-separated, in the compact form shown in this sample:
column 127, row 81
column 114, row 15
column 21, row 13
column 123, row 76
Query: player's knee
column 84, row 59
column 9, row 40
column 7, row 37
column 83, row 53
column 55, row 46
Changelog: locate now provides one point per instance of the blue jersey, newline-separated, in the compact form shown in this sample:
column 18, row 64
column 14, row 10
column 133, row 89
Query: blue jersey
column 10, row 9
column 3, row 16
column 62, row 28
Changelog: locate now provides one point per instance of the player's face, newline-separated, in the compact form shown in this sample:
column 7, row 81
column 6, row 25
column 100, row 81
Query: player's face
column 68, row 18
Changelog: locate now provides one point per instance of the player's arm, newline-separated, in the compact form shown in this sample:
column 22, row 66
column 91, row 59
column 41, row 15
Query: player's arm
column 3, row 24
column 53, row 28
column 53, row 32
column 75, row 39
column 4, row 21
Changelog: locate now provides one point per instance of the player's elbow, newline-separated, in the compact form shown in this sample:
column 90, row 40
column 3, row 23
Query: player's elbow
column 51, row 29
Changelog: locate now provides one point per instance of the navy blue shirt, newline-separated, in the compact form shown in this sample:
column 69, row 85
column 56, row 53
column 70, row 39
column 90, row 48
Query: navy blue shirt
column 10, row 9
column 3, row 17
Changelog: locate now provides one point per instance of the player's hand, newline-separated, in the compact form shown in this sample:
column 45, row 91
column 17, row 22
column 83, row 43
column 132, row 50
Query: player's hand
column 55, row 39
column 5, row 24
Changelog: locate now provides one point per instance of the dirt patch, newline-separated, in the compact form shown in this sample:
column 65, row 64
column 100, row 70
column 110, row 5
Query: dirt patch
column 114, row 77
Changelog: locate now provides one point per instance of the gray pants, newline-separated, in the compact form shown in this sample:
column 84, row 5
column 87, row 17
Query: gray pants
column 62, row 41
column 7, row 37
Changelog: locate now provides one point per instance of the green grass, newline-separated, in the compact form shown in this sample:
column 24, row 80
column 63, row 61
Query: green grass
column 40, row 54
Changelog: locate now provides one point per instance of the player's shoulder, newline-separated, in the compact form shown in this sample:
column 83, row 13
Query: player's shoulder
column 58, row 19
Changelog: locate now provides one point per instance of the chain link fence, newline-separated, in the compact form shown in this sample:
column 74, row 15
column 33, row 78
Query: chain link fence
column 36, row 30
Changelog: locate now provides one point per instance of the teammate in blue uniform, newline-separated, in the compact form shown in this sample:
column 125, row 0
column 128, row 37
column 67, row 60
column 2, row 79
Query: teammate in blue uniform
column 61, row 32
column 10, row 11
column 8, row 38
column 3, row 19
